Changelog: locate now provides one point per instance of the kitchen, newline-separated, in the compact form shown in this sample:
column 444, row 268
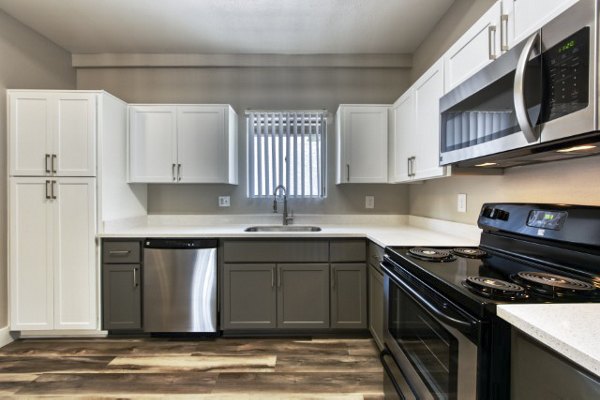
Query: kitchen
column 156, row 78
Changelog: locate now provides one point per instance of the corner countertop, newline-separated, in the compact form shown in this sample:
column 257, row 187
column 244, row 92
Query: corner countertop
column 384, row 230
column 572, row 330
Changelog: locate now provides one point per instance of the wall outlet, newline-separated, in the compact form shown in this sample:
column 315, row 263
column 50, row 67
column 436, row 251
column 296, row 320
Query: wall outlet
column 224, row 201
column 369, row 201
column 461, row 202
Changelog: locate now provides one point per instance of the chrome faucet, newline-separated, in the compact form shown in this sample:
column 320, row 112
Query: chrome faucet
column 286, row 219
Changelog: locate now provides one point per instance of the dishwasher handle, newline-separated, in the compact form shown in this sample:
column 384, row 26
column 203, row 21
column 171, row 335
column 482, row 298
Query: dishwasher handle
column 180, row 244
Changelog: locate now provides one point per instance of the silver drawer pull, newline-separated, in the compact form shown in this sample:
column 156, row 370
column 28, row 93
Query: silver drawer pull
column 119, row 252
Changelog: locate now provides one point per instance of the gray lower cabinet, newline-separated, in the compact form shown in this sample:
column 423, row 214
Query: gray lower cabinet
column 302, row 295
column 122, row 296
column 349, row 295
column 249, row 300
column 539, row 373
column 376, row 305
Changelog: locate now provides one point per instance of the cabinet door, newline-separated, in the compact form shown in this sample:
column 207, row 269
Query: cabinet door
column 30, row 255
column 202, row 144
column 349, row 296
column 427, row 91
column 376, row 305
column 74, row 255
column 30, row 133
column 526, row 16
column 152, row 144
column 122, row 300
column 364, row 135
column 404, row 129
column 74, row 134
column 479, row 46
column 302, row 296
column 249, row 300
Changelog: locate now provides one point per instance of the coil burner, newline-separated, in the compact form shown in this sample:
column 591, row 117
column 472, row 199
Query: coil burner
column 469, row 252
column 495, row 288
column 552, row 285
column 428, row 254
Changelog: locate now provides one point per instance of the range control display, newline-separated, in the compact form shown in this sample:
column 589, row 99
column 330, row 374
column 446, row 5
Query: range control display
column 566, row 72
column 553, row 220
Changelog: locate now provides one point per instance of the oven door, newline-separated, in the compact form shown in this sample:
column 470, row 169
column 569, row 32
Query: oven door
column 433, row 342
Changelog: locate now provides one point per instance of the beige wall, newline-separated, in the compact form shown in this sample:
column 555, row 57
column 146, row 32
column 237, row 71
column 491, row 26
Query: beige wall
column 27, row 61
column 259, row 88
column 573, row 181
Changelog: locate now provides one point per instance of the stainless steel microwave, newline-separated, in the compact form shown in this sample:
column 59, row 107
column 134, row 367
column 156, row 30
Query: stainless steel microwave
column 537, row 102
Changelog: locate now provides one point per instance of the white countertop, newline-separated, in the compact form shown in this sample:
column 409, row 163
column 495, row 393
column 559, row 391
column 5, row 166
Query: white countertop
column 383, row 230
column 572, row 330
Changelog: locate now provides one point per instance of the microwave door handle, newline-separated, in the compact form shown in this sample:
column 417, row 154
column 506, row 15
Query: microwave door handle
column 519, row 91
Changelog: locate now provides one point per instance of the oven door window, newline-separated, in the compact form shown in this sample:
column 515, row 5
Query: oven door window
column 429, row 347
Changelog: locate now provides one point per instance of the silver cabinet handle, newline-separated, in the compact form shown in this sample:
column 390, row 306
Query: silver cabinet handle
column 272, row 277
column 53, row 163
column 46, row 161
column 119, row 252
column 408, row 166
column 348, row 172
column 519, row 91
column 504, row 32
column 173, row 172
column 53, row 194
column 47, row 189
column 492, row 41
column 278, row 279
column 412, row 166
column 179, row 172
column 135, row 282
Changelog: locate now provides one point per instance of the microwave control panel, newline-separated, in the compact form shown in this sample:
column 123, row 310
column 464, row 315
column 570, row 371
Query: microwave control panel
column 566, row 72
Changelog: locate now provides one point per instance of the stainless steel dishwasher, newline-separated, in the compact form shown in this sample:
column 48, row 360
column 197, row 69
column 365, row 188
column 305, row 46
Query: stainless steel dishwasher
column 180, row 285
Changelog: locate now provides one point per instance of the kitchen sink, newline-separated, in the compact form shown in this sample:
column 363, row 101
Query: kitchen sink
column 283, row 228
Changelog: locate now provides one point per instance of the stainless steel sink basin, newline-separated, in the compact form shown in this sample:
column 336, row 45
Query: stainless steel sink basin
column 283, row 228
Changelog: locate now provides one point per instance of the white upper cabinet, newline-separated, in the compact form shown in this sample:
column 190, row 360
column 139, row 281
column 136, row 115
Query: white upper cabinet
column 153, row 143
column 204, row 136
column 416, row 126
column 182, row 144
column 361, row 143
column 404, row 118
column 427, row 91
column 523, row 17
column 478, row 47
column 52, row 133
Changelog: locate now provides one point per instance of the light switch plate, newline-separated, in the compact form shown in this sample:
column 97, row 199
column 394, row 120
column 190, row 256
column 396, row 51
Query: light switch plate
column 369, row 201
column 224, row 201
column 461, row 202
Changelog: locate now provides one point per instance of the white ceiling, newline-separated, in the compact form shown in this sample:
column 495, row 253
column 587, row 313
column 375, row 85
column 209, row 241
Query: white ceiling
column 231, row 26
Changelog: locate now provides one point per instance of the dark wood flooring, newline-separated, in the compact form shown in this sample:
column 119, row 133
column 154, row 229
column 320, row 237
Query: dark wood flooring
column 224, row 368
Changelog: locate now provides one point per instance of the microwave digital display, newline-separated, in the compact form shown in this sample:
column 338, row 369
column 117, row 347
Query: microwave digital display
column 566, row 75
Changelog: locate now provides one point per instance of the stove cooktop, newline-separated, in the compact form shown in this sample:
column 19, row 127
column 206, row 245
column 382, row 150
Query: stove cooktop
column 482, row 279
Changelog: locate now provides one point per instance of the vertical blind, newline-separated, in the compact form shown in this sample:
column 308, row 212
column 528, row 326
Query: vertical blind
column 287, row 148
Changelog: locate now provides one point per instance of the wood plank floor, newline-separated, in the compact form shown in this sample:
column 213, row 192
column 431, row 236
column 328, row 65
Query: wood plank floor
column 223, row 368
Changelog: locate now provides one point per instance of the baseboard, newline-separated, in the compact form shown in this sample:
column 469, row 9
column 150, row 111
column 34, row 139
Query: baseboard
column 62, row 334
column 5, row 336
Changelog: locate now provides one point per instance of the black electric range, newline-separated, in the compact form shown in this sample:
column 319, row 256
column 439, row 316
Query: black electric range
column 441, row 302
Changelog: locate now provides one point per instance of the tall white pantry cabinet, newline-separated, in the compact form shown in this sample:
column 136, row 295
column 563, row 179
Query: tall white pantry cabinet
column 53, row 212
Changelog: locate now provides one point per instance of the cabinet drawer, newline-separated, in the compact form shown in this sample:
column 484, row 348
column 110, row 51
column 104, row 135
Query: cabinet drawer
column 121, row 252
column 276, row 251
column 375, row 255
column 348, row 250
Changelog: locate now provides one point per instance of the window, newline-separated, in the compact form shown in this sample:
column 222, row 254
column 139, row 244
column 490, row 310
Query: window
column 289, row 149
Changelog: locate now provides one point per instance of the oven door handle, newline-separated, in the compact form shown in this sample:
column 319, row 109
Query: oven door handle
column 529, row 131
column 466, row 327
